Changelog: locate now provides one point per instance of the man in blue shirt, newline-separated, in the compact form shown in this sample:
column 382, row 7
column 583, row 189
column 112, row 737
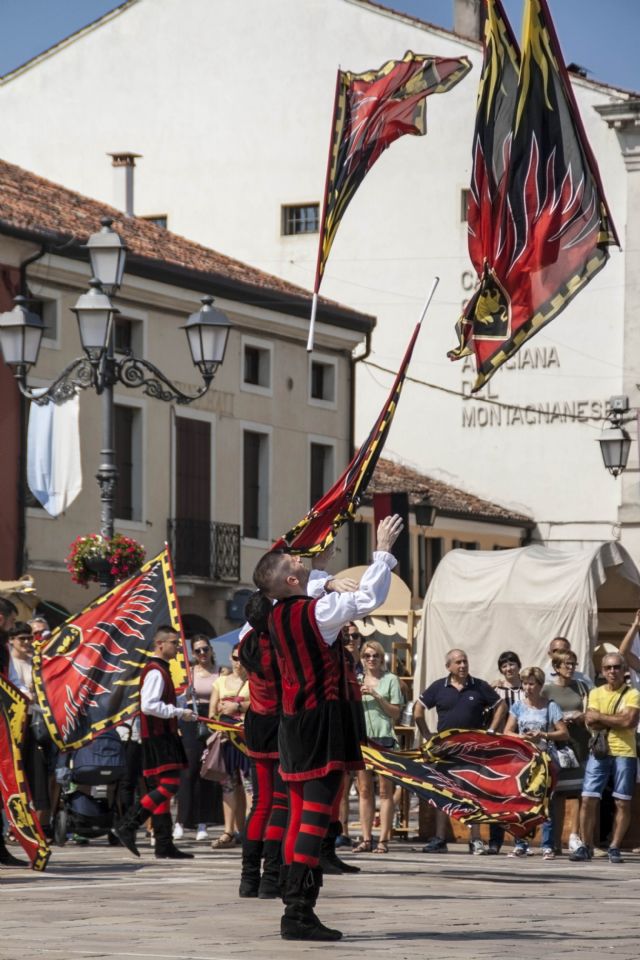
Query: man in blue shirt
column 460, row 701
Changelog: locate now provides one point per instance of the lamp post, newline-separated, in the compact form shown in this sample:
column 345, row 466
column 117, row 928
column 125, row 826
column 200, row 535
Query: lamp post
column 615, row 442
column 21, row 332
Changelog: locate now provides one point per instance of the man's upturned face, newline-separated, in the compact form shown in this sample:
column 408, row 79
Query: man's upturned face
column 296, row 569
column 458, row 666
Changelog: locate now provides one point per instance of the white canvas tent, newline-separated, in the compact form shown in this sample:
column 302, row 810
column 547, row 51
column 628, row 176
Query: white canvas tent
column 490, row 601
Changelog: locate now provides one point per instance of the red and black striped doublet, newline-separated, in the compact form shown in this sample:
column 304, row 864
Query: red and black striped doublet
column 317, row 729
column 161, row 746
column 262, row 719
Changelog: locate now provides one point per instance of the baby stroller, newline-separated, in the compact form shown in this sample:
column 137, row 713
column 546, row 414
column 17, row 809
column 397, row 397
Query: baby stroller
column 89, row 779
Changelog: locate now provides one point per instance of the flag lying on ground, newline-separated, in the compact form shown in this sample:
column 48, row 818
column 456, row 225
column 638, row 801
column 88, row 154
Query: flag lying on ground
column 474, row 776
column 373, row 109
column 317, row 529
column 14, row 789
column 87, row 675
column 539, row 225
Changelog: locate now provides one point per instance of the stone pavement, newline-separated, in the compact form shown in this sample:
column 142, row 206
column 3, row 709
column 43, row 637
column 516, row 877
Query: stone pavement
column 98, row 902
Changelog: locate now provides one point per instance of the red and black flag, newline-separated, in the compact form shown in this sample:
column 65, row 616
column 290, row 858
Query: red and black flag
column 372, row 109
column 14, row 789
column 87, row 675
column 539, row 225
column 474, row 776
column 317, row 529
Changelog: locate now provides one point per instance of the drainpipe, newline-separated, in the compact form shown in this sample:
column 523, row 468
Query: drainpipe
column 21, row 538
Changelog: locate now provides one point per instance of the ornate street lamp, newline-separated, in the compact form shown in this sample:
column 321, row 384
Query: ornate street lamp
column 425, row 513
column 615, row 442
column 207, row 333
column 94, row 312
column 20, row 336
column 108, row 255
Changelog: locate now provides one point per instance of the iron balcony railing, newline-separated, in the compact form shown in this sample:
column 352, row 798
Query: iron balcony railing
column 205, row 549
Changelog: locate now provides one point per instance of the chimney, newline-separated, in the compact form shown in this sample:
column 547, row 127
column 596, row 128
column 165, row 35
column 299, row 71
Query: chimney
column 124, row 165
column 467, row 18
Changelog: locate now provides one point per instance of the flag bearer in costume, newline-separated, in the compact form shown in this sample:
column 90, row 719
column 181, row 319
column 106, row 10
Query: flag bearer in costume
column 163, row 755
column 318, row 736
column 267, row 819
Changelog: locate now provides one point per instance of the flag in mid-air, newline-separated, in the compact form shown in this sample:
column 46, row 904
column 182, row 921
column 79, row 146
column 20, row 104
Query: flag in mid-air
column 373, row 109
column 474, row 776
column 317, row 529
column 539, row 225
column 87, row 676
column 14, row 788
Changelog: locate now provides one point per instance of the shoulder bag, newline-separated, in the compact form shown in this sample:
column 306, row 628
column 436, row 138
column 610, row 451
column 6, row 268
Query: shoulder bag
column 212, row 766
column 599, row 741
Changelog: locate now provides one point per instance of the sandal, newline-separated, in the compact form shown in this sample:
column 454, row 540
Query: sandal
column 365, row 846
column 224, row 840
column 382, row 847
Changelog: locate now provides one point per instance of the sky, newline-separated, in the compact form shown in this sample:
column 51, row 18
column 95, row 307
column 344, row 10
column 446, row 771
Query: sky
column 601, row 35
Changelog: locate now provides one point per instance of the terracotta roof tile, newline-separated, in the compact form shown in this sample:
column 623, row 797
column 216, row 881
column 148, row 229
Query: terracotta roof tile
column 49, row 211
column 390, row 477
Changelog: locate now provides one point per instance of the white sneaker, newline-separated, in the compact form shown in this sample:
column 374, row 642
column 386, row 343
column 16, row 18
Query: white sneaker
column 178, row 832
column 201, row 833
column 574, row 842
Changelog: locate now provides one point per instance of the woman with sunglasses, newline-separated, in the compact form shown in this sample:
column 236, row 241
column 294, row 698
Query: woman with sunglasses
column 230, row 701
column 197, row 798
column 382, row 701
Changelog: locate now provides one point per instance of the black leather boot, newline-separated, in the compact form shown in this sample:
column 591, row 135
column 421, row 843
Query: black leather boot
column 269, row 888
column 7, row 859
column 299, row 922
column 126, row 828
column 250, row 875
column 165, row 848
column 329, row 860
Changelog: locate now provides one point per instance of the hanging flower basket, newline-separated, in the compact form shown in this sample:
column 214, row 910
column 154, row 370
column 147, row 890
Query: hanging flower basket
column 93, row 555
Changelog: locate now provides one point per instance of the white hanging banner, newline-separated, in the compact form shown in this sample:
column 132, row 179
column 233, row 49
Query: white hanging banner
column 54, row 469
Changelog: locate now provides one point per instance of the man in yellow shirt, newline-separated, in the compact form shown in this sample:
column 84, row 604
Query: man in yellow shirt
column 615, row 708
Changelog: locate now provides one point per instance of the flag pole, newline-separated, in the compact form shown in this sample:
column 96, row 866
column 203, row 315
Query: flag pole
column 318, row 279
column 436, row 281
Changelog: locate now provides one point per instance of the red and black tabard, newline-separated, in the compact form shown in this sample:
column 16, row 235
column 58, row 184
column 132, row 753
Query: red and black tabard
column 262, row 719
column 318, row 729
column 162, row 748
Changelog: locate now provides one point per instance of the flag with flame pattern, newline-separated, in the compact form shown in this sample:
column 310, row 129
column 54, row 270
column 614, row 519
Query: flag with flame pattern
column 14, row 789
column 539, row 225
column 474, row 776
column 373, row 109
column 87, row 675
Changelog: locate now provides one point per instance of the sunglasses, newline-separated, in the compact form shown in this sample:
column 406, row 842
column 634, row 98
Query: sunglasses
column 199, row 650
column 371, row 656
column 613, row 666
column 235, row 658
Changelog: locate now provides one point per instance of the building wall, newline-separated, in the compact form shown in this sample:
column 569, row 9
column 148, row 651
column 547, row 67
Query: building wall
column 231, row 144
column 286, row 413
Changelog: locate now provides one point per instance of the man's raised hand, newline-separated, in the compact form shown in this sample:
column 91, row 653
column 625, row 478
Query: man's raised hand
column 389, row 530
